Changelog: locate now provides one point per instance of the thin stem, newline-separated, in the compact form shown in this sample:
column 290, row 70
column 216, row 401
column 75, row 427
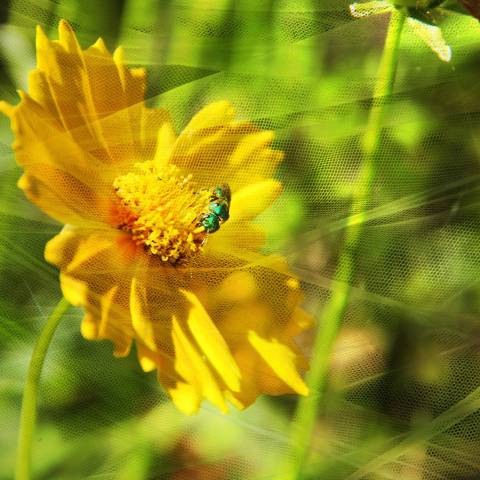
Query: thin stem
column 334, row 311
column 29, row 404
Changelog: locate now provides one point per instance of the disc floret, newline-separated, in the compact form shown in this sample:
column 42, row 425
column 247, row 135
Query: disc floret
column 160, row 208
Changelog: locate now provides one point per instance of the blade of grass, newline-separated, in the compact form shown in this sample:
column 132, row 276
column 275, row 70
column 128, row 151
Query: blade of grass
column 422, row 434
column 333, row 313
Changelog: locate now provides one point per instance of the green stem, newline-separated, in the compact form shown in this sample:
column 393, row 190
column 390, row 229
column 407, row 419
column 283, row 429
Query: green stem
column 30, row 392
column 334, row 311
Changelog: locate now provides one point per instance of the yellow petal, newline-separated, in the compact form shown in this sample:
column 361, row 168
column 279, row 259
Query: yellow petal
column 107, row 308
column 216, row 149
column 67, row 36
column 185, row 397
column 6, row 108
column 84, row 255
column 211, row 342
column 239, row 286
column 213, row 115
column 252, row 200
column 249, row 145
column 156, row 135
column 94, row 125
column 237, row 403
column 165, row 142
column 145, row 358
column 299, row 322
column 236, row 238
column 89, row 327
column 60, row 249
column 100, row 255
column 234, row 401
column 281, row 359
column 57, row 177
column 112, row 319
column 133, row 81
column 190, row 365
column 141, row 318
column 75, row 291
column 96, row 276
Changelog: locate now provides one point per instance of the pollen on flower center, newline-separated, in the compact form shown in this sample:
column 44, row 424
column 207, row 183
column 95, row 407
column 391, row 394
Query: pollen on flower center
column 161, row 208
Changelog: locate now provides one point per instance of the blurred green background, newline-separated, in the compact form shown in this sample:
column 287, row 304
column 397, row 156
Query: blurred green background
column 404, row 377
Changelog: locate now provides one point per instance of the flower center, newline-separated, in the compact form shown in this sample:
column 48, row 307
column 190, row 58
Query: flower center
column 165, row 211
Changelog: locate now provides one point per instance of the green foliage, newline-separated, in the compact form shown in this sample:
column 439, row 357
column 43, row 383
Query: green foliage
column 402, row 400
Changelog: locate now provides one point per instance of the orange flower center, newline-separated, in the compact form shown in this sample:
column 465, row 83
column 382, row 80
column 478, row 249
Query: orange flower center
column 161, row 209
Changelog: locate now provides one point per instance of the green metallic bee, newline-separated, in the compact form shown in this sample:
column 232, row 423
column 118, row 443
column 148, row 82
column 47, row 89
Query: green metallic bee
column 218, row 209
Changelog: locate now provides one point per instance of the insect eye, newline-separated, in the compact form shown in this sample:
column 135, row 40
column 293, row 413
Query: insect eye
column 222, row 192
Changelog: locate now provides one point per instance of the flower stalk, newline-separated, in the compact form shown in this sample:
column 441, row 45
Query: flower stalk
column 334, row 311
column 30, row 393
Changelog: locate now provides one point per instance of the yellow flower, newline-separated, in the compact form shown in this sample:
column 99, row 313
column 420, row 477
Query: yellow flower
column 213, row 316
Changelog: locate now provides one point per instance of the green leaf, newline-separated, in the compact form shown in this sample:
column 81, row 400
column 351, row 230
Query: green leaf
column 432, row 36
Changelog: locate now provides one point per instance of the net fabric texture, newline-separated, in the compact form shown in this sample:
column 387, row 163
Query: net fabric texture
column 134, row 252
column 402, row 397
